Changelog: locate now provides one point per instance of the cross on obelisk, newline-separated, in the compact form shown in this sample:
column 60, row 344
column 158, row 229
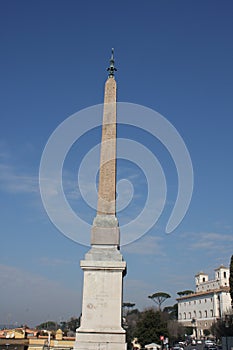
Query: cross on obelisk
column 101, row 321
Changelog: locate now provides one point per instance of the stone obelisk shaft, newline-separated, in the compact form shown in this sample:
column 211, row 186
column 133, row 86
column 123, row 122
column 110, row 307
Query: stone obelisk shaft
column 107, row 173
column 105, row 230
column 103, row 266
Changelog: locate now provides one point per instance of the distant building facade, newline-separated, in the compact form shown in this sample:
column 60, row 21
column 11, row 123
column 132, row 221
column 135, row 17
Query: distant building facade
column 30, row 339
column 211, row 301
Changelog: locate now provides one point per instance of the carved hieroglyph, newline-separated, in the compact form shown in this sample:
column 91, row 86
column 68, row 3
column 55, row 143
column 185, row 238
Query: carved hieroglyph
column 107, row 174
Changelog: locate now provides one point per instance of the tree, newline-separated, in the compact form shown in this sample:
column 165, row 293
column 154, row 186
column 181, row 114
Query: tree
column 73, row 323
column 220, row 328
column 150, row 327
column 70, row 325
column 176, row 331
column 172, row 311
column 185, row 292
column 159, row 298
column 231, row 280
column 132, row 318
column 206, row 332
column 128, row 306
column 49, row 326
column 66, row 326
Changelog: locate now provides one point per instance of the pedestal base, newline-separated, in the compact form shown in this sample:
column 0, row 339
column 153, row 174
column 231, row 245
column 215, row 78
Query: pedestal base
column 100, row 341
column 101, row 320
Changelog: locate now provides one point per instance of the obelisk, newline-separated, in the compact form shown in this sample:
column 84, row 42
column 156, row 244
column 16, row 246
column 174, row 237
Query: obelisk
column 104, row 268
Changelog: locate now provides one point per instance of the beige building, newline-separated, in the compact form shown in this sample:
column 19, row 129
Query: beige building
column 24, row 338
column 17, row 333
column 47, row 343
column 210, row 301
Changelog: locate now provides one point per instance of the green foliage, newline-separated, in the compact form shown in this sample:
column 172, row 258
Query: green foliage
column 70, row 325
column 185, row 292
column 231, row 280
column 150, row 327
column 49, row 326
column 168, row 309
column 221, row 329
column 150, row 324
column 73, row 323
column 131, row 321
column 206, row 332
column 176, row 331
column 159, row 298
column 127, row 307
column 172, row 311
column 188, row 330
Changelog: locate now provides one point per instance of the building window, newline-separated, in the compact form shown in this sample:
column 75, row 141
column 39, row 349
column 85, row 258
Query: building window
column 194, row 302
column 190, row 315
column 203, row 279
column 200, row 314
column 205, row 313
column 189, row 302
column 184, row 315
column 224, row 274
column 205, row 300
column 211, row 299
column 211, row 313
column 194, row 314
column 200, row 301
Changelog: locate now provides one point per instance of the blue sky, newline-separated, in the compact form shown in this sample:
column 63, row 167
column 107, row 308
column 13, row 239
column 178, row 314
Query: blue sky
column 172, row 56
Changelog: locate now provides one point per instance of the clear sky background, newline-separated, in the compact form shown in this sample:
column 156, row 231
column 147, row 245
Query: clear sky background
column 172, row 56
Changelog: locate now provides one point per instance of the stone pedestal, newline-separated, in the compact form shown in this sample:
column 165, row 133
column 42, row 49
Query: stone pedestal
column 101, row 319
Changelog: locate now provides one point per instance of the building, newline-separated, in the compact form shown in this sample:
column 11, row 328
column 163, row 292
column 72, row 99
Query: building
column 31, row 339
column 17, row 333
column 56, row 342
column 209, row 302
